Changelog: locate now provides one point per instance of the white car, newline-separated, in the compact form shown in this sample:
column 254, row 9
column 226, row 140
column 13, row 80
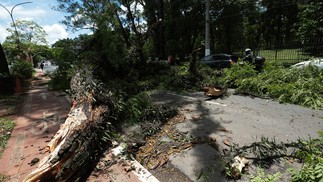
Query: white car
column 318, row 62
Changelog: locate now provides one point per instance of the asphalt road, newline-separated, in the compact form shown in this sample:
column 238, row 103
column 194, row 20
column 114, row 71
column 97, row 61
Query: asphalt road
column 49, row 69
column 237, row 119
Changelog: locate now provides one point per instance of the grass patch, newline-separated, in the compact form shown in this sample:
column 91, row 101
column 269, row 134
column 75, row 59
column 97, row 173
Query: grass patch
column 11, row 100
column 3, row 177
column 11, row 103
column 263, row 177
column 284, row 54
column 285, row 57
column 6, row 126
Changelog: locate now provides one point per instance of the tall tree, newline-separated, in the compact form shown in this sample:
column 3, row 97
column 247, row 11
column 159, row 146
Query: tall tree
column 4, row 69
column 6, row 84
column 227, row 25
column 132, row 16
column 252, row 24
column 310, row 19
column 29, row 32
column 155, row 17
column 279, row 17
column 183, row 22
column 230, row 20
column 30, row 35
column 118, row 16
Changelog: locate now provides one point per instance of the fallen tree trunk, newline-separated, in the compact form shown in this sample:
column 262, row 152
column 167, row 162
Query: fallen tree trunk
column 76, row 146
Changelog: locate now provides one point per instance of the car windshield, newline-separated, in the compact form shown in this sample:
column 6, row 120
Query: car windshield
column 221, row 57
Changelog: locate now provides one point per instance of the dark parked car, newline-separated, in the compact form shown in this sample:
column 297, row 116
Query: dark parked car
column 219, row 60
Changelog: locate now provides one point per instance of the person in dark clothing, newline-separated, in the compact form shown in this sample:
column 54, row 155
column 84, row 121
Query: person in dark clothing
column 249, row 57
column 257, row 61
column 42, row 66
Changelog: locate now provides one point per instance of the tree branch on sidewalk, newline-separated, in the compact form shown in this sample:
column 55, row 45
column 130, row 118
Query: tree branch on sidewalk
column 78, row 144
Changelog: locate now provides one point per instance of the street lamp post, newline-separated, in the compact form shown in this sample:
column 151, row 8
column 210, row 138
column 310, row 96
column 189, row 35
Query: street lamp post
column 13, row 21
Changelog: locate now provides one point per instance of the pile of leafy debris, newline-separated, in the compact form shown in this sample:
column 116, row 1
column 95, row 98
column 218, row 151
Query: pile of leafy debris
column 296, row 86
column 266, row 153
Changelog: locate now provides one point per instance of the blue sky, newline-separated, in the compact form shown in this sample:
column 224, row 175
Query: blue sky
column 39, row 11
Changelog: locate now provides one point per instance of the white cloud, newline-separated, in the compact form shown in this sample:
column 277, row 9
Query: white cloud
column 3, row 34
column 55, row 32
column 27, row 19
column 22, row 13
column 3, row 14
column 40, row 12
column 30, row 12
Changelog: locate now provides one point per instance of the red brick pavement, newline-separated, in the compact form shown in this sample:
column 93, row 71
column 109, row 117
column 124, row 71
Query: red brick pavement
column 41, row 115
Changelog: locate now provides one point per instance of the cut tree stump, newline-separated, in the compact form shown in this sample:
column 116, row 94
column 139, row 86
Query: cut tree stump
column 76, row 146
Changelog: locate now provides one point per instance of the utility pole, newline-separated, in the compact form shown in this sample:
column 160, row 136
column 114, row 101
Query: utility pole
column 207, row 28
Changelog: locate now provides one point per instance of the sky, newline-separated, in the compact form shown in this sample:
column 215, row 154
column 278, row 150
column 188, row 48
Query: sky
column 38, row 11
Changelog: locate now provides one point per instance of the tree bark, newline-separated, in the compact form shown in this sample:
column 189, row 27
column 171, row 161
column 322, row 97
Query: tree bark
column 161, row 34
column 123, row 31
column 139, row 44
column 76, row 146
column 3, row 62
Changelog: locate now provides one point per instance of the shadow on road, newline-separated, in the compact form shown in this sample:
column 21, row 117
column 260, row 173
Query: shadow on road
column 203, row 161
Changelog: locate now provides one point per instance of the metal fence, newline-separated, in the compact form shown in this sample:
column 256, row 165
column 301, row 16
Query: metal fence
column 292, row 52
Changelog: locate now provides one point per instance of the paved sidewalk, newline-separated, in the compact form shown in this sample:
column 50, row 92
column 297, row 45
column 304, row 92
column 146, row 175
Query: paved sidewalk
column 40, row 117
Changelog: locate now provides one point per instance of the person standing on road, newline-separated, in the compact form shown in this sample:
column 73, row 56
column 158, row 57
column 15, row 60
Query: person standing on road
column 42, row 66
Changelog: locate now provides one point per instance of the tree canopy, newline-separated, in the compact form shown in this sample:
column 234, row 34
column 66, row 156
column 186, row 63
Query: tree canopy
column 160, row 28
column 131, row 31
column 28, row 32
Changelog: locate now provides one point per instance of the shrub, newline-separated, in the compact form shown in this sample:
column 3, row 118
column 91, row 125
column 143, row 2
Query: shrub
column 234, row 76
column 60, row 80
column 6, row 126
column 180, row 79
column 313, row 161
column 22, row 69
column 130, row 108
column 211, row 77
column 263, row 177
column 296, row 86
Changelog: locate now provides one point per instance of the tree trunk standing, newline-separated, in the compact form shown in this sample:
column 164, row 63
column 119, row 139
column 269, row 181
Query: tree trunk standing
column 154, row 11
column 161, row 33
column 4, row 69
column 123, row 31
column 213, row 35
column 6, row 81
column 278, row 36
column 193, row 63
column 228, row 35
column 139, row 44
column 76, row 147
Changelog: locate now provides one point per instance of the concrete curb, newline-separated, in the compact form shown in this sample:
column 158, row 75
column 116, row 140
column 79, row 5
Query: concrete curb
column 140, row 171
